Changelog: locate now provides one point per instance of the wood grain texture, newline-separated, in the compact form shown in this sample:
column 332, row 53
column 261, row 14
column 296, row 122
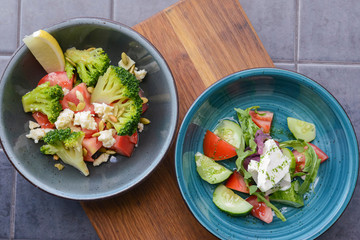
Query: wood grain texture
column 202, row 41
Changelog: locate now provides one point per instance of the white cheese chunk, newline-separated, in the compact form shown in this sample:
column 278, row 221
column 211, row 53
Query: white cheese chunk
column 85, row 120
column 273, row 166
column 38, row 133
column 65, row 119
column 140, row 127
column 103, row 110
column 33, row 125
column 106, row 137
column 140, row 74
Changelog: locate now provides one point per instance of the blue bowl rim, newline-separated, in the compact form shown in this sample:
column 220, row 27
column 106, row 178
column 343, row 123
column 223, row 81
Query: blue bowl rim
column 236, row 76
column 172, row 131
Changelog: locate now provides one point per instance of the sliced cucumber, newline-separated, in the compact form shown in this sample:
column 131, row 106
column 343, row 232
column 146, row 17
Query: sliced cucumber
column 301, row 129
column 209, row 170
column 231, row 132
column 229, row 202
column 288, row 153
column 289, row 197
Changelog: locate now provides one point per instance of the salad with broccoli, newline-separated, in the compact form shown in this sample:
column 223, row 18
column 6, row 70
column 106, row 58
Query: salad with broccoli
column 266, row 170
column 89, row 110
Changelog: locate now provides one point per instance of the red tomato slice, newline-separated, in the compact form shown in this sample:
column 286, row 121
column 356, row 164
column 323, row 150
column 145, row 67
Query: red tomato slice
column 42, row 120
column 300, row 161
column 216, row 148
column 92, row 145
column 123, row 145
column 59, row 78
column 319, row 152
column 236, row 182
column 71, row 97
column 260, row 210
column 263, row 120
column 134, row 138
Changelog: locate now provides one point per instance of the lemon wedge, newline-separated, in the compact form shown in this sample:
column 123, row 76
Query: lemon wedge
column 46, row 50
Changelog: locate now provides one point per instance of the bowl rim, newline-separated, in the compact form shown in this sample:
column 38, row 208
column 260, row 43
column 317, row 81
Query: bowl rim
column 236, row 76
column 172, row 131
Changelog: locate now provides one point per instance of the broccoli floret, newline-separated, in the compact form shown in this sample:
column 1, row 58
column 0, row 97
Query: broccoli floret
column 116, row 84
column 127, row 115
column 67, row 146
column 90, row 64
column 119, row 86
column 45, row 99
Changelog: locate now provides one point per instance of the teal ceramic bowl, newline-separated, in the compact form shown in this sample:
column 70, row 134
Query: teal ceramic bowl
column 120, row 173
column 286, row 94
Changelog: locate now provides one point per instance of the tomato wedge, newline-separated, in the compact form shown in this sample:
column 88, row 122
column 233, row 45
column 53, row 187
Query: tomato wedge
column 216, row 148
column 236, row 182
column 123, row 145
column 319, row 152
column 260, row 210
column 300, row 161
column 92, row 145
column 72, row 97
column 262, row 119
column 42, row 120
column 134, row 138
column 59, row 78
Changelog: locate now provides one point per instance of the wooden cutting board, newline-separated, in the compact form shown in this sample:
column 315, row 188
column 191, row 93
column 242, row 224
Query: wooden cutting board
column 202, row 41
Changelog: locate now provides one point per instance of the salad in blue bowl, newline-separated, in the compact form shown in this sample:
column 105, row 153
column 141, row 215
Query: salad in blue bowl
column 266, row 153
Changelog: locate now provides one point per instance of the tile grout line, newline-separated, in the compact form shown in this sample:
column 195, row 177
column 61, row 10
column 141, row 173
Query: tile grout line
column 13, row 206
column 297, row 35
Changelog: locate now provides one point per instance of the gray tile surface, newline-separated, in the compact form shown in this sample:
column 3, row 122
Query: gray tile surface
column 8, row 26
column 329, row 30
column 320, row 39
column 42, row 216
column 6, row 189
column 135, row 11
column 274, row 22
column 37, row 14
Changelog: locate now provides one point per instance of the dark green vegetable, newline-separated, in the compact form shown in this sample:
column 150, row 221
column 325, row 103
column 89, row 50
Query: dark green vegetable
column 120, row 86
column 68, row 146
column 45, row 99
column 90, row 64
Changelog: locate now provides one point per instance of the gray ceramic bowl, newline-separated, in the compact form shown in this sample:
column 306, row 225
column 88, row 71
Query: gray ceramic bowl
column 119, row 174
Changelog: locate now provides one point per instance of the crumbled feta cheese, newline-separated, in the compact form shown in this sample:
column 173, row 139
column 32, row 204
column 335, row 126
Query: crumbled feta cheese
column 127, row 66
column 38, row 133
column 33, row 125
column 66, row 91
column 272, row 168
column 140, row 75
column 106, row 137
column 140, row 127
column 85, row 120
column 104, row 157
column 65, row 119
column 103, row 110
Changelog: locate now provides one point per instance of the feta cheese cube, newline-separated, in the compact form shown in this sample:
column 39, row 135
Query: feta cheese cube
column 85, row 120
column 65, row 119
column 103, row 110
column 272, row 168
column 106, row 137
column 140, row 74
column 33, row 125
column 38, row 133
